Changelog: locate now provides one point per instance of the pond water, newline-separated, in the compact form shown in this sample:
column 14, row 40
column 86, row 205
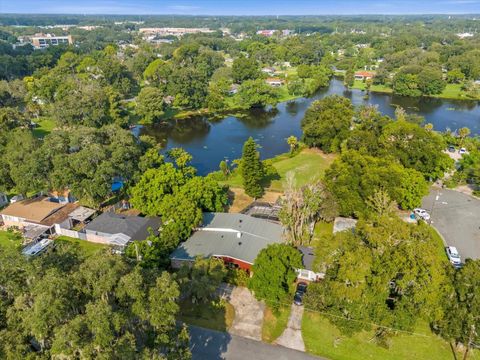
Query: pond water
column 211, row 141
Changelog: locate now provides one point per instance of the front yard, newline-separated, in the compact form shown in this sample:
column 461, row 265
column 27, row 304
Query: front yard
column 274, row 323
column 213, row 315
column 324, row 339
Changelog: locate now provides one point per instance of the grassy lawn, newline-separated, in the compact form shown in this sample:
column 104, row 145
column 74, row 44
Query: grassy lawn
column 206, row 315
column 307, row 166
column 324, row 339
column 360, row 85
column 88, row 247
column 9, row 240
column 45, row 127
column 274, row 323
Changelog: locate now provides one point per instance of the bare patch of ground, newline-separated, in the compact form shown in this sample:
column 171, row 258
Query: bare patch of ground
column 239, row 200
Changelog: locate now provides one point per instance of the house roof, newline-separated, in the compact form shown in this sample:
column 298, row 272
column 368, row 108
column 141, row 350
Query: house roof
column 364, row 73
column 308, row 256
column 81, row 213
column 237, row 236
column 135, row 227
column 342, row 224
column 274, row 80
column 35, row 210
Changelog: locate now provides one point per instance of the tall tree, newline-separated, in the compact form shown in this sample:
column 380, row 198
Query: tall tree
column 251, row 169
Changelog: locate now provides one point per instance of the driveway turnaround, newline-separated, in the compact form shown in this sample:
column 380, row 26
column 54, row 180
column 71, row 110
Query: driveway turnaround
column 456, row 216
column 214, row 345
column 292, row 335
column 248, row 314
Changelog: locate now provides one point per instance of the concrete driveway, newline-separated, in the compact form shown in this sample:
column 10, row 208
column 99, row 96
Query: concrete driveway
column 292, row 335
column 456, row 216
column 214, row 345
column 248, row 314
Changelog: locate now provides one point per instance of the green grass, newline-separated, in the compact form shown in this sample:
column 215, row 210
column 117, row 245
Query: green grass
column 307, row 166
column 360, row 85
column 10, row 240
column 324, row 339
column 218, row 318
column 88, row 247
column 274, row 323
column 45, row 127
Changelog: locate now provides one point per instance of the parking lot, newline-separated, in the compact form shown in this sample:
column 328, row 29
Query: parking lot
column 456, row 216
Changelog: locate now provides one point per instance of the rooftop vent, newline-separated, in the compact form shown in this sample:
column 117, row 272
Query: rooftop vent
column 239, row 243
column 239, row 235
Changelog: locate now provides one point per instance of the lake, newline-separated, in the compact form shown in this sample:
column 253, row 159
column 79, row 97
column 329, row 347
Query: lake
column 211, row 141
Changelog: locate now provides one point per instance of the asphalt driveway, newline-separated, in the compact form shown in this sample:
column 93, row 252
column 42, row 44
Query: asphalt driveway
column 456, row 216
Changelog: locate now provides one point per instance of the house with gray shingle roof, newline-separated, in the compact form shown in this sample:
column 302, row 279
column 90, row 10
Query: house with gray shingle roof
column 118, row 230
column 235, row 238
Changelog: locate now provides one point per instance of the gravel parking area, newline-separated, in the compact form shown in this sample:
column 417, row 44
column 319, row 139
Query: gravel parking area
column 456, row 216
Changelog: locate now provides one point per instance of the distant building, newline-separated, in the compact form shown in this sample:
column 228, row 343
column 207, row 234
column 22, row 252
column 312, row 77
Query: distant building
column 465, row 35
column 268, row 70
column 237, row 239
column 364, row 75
column 171, row 31
column 41, row 41
column 275, row 82
column 269, row 33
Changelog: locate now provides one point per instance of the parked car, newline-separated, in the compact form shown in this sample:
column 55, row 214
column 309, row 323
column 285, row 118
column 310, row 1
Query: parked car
column 301, row 290
column 462, row 151
column 451, row 148
column 422, row 213
column 453, row 256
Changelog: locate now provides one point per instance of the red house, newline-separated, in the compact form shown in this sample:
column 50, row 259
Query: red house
column 235, row 238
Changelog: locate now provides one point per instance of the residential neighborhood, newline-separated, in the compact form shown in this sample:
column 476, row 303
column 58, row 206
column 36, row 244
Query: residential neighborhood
column 234, row 180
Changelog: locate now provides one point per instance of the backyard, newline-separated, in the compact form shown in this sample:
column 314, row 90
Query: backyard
column 87, row 247
column 10, row 240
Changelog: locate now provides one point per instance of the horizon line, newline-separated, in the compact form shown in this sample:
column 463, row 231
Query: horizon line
column 243, row 15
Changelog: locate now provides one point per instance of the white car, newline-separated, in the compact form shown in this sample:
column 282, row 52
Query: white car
column 422, row 213
column 453, row 256
column 462, row 151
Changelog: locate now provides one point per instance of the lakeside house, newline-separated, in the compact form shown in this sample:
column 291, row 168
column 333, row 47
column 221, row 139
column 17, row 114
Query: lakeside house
column 237, row 239
column 364, row 75
column 274, row 82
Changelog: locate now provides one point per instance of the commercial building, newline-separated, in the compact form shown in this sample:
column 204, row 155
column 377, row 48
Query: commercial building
column 41, row 41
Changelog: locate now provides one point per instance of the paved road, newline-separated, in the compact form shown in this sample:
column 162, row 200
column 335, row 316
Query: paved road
column 214, row 345
column 457, row 217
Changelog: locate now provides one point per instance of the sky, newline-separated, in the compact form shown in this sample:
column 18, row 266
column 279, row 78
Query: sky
column 241, row 7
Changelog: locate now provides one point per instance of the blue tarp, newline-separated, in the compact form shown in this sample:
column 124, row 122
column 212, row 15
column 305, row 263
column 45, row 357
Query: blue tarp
column 117, row 185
